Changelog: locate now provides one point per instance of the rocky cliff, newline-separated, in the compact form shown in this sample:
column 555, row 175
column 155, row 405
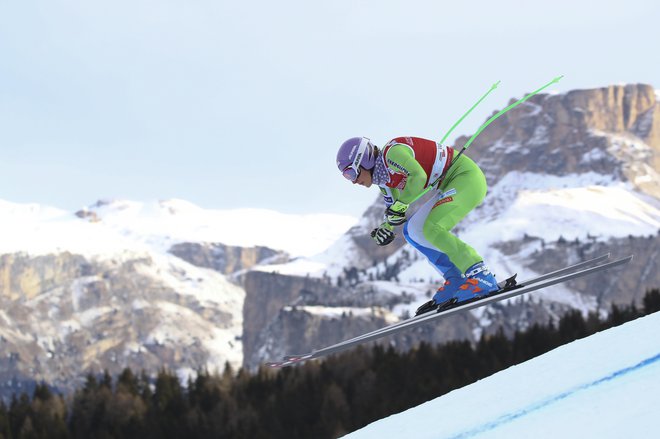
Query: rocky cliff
column 65, row 315
column 612, row 131
column 226, row 259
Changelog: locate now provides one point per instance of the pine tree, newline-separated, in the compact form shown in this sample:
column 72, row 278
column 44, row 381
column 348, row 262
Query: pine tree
column 5, row 428
column 651, row 301
column 19, row 410
column 169, row 403
column 48, row 413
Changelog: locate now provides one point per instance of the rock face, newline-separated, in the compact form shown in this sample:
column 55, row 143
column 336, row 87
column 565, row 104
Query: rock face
column 612, row 132
column 64, row 316
column 224, row 258
column 627, row 285
column 304, row 311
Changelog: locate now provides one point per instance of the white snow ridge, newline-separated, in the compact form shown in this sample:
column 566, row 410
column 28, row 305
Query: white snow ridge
column 117, row 226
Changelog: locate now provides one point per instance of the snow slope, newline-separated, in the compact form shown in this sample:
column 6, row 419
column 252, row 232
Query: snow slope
column 571, row 206
column 604, row 386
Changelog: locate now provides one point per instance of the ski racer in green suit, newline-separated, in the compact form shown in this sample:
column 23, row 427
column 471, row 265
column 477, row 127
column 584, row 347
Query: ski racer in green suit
column 402, row 170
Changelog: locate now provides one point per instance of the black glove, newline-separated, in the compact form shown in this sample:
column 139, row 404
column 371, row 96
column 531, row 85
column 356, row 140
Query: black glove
column 383, row 234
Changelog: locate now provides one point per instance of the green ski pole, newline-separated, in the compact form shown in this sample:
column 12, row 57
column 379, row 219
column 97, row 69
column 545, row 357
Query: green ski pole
column 515, row 104
column 492, row 87
column 482, row 127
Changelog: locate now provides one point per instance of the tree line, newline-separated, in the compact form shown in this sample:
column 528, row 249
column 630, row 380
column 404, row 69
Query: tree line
column 318, row 399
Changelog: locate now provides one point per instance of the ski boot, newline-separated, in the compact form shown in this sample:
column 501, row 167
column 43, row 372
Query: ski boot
column 482, row 281
column 477, row 283
column 453, row 278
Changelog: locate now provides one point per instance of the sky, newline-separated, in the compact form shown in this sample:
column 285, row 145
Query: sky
column 244, row 104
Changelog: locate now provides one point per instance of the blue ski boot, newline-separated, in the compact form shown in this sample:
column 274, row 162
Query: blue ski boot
column 444, row 295
column 478, row 282
column 448, row 290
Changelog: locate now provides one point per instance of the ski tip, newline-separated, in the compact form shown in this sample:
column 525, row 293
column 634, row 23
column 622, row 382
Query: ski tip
column 622, row 261
column 288, row 361
column 494, row 86
column 296, row 357
column 277, row 364
column 557, row 79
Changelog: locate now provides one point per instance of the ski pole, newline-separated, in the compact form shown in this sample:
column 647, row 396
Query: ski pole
column 515, row 104
column 482, row 127
column 492, row 87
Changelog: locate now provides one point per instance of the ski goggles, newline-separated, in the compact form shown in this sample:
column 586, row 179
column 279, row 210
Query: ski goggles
column 352, row 171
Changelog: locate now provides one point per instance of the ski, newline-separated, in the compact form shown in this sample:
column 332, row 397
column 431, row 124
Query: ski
column 537, row 283
column 504, row 286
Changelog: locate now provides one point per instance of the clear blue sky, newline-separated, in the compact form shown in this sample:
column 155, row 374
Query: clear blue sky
column 243, row 103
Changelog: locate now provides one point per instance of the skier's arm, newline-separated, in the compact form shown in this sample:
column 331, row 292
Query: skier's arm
column 389, row 195
column 401, row 158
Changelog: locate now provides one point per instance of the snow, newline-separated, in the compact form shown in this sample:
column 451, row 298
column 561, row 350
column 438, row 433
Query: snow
column 540, row 136
column 550, row 207
column 202, row 283
column 502, row 147
column 218, row 342
column 604, row 386
column 296, row 267
column 338, row 312
column 595, row 155
column 419, row 269
column 114, row 227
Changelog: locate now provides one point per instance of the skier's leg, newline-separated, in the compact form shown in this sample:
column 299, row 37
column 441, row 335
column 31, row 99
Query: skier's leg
column 466, row 189
column 413, row 232
column 463, row 190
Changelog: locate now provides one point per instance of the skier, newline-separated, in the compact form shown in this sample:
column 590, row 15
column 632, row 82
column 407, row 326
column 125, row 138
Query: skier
column 402, row 170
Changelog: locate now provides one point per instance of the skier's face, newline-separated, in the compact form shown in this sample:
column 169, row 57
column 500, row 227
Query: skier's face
column 364, row 178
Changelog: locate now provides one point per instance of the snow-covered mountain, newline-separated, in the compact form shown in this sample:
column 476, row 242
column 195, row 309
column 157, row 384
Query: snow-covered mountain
column 127, row 284
column 604, row 386
column 570, row 175
column 116, row 226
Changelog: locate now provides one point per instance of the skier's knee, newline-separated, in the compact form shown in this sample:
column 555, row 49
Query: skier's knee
column 433, row 232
